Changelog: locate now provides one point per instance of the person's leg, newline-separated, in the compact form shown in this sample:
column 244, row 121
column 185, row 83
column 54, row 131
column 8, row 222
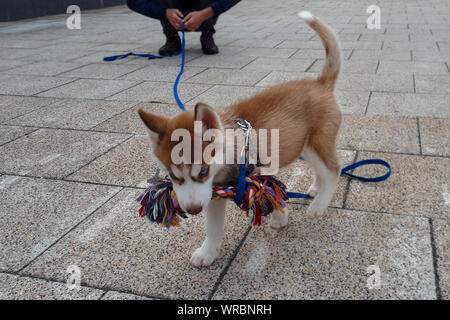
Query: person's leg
column 173, row 41
column 208, row 30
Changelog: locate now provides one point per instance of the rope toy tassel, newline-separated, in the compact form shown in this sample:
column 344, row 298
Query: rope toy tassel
column 263, row 194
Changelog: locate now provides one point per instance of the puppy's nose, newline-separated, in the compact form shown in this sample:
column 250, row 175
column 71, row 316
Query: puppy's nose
column 195, row 209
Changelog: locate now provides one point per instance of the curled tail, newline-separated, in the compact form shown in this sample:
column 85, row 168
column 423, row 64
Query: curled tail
column 332, row 66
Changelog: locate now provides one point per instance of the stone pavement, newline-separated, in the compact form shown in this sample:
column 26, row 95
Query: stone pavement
column 74, row 156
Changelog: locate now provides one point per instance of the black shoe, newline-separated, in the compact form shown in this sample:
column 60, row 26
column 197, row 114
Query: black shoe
column 172, row 46
column 208, row 45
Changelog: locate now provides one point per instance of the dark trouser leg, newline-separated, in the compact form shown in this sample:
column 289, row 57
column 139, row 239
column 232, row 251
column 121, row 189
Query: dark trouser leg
column 185, row 7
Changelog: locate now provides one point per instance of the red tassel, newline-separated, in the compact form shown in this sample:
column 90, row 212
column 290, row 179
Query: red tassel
column 257, row 221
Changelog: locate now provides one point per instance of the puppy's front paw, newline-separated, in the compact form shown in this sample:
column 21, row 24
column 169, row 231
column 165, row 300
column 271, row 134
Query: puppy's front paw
column 204, row 256
column 278, row 220
column 315, row 211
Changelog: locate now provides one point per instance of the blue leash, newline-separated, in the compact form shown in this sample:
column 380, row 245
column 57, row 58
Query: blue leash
column 352, row 167
column 240, row 192
column 152, row 56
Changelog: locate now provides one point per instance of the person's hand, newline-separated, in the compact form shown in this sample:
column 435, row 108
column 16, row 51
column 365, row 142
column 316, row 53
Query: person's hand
column 175, row 18
column 194, row 19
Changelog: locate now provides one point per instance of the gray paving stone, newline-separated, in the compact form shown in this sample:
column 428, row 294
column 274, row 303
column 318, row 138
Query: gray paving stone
column 160, row 92
column 375, row 82
column 130, row 164
column 17, row 53
column 379, row 133
column 55, row 153
column 332, row 257
column 89, row 89
column 256, row 43
column 352, row 102
column 6, row 64
column 435, row 136
column 229, row 77
column 441, row 234
column 130, row 122
column 316, row 54
column 388, row 54
column 13, row 287
column 218, row 61
column 277, row 77
column 433, row 84
column 273, row 64
column 410, row 105
column 45, row 68
column 114, row 295
column 37, row 212
column 424, row 55
column 9, row 133
column 416, row 67
column 29, row 85
column 353, row 66
column 416, row 186
column 267, row 52
column 116, row 248
column 72, row 114
column 221, row 96
column 97, row 57
column 14, row 106
column 101, row 71
column 162, row 73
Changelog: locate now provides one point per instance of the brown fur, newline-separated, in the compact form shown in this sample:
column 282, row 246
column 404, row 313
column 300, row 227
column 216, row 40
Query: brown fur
column 304, row 111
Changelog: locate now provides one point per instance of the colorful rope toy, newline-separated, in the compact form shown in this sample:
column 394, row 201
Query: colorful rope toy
column 263, row 194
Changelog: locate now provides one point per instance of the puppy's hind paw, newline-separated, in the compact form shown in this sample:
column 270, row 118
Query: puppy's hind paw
column 203, row 257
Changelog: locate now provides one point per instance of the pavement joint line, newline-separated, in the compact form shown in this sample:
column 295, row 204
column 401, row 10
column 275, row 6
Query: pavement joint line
column 368, row 103
column 26, row 134
column 72, row 181
column 419, row 136
column 435, row 261
column 310, row 66
column 70, row 129
column 72, row 228
column 254, row 59
column 36, row 94
column 294, row 53
column 133, row 104
column 95, row 158
column 61, row 73
column 347, row 185
column 448, row 68
column 414, row 82
column 228, row 265
column 118, row 92
column 378, row 65
column 370, row 212
column 106, row 289
column 397, row 153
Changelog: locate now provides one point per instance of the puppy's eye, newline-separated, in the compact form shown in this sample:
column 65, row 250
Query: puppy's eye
column 175, row 179
column 203, row 171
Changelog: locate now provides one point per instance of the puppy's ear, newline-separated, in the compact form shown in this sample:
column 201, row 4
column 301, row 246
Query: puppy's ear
column 207, row 116
column 156, row 124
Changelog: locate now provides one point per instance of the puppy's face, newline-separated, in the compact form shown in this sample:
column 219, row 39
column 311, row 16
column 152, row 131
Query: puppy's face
column 186, row 153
